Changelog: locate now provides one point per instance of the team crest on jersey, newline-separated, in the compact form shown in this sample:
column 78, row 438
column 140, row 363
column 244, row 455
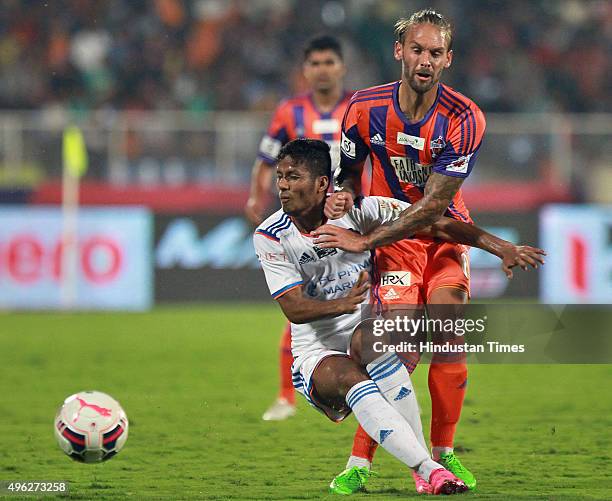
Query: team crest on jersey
column 321, row 253
column 437, row 145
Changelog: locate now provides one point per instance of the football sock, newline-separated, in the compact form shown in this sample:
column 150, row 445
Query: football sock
column 393, row 381
column 437, row 451
column 363, row 445
column 379, row 419
column 358, row 462
column 286, row 360
column 447, row 384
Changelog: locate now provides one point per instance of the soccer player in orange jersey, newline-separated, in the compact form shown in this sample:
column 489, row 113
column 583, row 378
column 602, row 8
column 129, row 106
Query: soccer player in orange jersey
column 316, row 115
column 422, row 138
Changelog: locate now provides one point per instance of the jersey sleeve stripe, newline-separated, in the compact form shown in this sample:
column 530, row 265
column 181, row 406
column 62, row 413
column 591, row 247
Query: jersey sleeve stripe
column 453, row 108
column 473, row 120
column 283, row 220
column 453, row 97
column 447, row 107
column 373, row 98
column 374, row 90
column 356, row 100
column 264, row 233
column 471, row 131
column 284, row 226
column 469, row 119
column 285, row 289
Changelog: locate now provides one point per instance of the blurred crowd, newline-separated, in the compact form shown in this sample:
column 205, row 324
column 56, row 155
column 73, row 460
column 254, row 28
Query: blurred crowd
column 540, row 55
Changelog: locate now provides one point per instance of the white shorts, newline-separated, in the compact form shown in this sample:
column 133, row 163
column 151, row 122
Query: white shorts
column 302, row 370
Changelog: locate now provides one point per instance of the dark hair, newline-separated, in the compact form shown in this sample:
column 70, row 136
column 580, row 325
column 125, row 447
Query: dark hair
column 423, row 17
column 323, row 42
column 311, row 153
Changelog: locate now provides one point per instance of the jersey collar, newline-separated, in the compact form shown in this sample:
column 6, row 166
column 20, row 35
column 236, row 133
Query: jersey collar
column 400, row 113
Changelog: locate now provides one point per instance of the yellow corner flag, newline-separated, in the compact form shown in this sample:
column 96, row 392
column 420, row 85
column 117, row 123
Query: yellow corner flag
column 74, row 151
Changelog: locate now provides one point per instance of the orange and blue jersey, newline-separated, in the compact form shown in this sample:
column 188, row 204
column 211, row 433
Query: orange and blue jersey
column 299, row 117
column 405, row 153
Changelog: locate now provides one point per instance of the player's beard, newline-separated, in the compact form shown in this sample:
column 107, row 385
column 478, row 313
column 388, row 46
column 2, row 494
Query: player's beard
column 421, row 87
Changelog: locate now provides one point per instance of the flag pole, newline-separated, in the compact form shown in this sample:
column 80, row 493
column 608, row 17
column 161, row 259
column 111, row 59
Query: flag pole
column 74, row 156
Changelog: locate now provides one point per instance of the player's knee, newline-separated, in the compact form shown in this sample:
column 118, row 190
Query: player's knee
column 349, row 379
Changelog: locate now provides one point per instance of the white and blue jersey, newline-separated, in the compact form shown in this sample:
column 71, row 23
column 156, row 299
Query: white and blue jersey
column 290, row 259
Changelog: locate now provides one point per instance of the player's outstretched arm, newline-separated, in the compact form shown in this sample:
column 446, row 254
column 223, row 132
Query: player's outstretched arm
column 511, row 255
column 439, row 192
column 261, row 180
column 300, row 310
column 450, row 230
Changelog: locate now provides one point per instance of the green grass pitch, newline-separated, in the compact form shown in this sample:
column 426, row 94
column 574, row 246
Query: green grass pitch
column 194, row 382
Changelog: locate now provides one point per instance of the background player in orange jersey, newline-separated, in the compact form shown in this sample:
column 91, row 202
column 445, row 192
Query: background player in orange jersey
column 316, row 115
column 422, row 138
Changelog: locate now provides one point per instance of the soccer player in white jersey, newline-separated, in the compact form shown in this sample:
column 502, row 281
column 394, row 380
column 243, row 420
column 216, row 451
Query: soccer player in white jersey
column 320, row 292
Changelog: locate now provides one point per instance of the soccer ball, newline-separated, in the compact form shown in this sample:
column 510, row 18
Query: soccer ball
column 91, row 426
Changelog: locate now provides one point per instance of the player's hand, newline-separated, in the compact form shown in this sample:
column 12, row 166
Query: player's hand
column 521, row 255
column 330, row 236
column 254, row 210
column 358, row 293
column 338, row 204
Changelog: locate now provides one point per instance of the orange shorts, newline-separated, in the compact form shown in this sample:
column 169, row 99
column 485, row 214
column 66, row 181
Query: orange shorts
column 408, row 271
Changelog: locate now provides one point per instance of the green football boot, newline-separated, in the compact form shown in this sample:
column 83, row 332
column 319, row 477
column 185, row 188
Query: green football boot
column 350, row 481
column 452, row 464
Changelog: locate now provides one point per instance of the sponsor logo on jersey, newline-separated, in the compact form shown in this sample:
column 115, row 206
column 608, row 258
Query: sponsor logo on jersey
column 436, row 146
column 321, row 253
column 306, row 258
column 408, row 171
column 418, row 143
column 390, row 295
column 397, row 278
column 348, row 147
column 460, row 165
column 326, row 126
column 377, row 139
column 270, row 146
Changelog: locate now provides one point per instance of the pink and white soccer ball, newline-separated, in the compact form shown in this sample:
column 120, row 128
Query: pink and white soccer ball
column 91, row 426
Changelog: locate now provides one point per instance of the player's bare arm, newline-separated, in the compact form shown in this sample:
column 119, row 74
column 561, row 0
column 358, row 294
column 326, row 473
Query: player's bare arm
column 340, row 202
column 511, row 255
column 261, row 179
column 449, row 230
column 300, row 310
column 439, row 192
